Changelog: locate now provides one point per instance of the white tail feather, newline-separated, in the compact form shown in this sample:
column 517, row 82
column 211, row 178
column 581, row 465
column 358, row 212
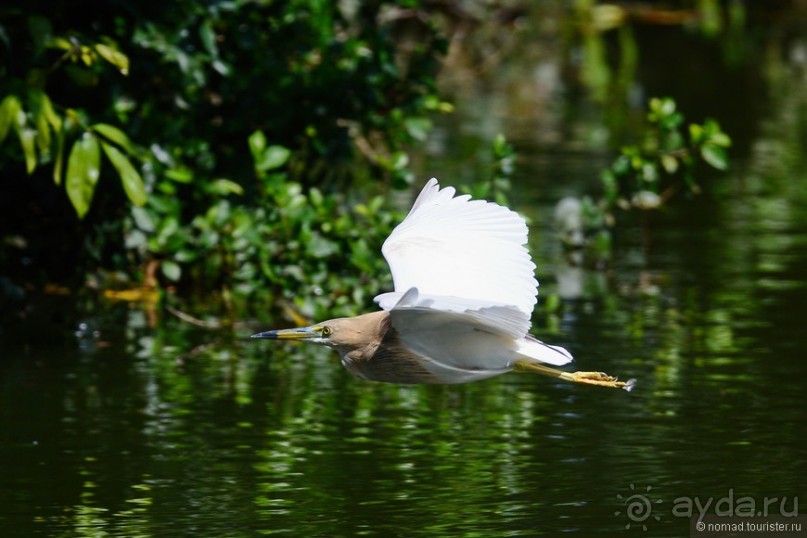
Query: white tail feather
column 530, row 348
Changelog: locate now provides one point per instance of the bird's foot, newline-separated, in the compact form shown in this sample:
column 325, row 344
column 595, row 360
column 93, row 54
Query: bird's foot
column 601, row 379
column 587, row 378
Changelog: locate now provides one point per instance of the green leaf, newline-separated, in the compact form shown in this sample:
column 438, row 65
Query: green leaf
column 171, row 270
column 621, row 165
column 180, row 174
column 86, row 55
column 715, row 156
column 222, row 68
column 112, row 133
column 664, row 106
column 610, row 187
column 257, row 144
column 83, row 170
column 58, row 164
column 418, row 127
column 673, row 141
column 696, row 133
column 224, row 187
column 54, row 119
column 42, row 112
column 273, row 157
column 129, row 176
column 113, row 56
column 10, row 110
column 135, row 239
column 671, row 121
column 60, row 43
column 28, row 142
column 143, row 220
column 669, row 163
column 649, row 172
column 399, row 160
column 208, row 37
column 721, row 139
column 41, row 123
column 13, row 114
column 186, row 255
column 646, row 200
column 320, row 247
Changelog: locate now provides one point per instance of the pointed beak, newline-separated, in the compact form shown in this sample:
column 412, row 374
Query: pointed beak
column 299, row 333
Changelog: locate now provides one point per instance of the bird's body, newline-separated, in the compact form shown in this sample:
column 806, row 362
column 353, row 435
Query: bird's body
column 385, row 358
column 464, row 291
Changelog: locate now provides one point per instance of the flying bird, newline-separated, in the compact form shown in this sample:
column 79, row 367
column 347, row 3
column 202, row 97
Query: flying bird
column 464, row 292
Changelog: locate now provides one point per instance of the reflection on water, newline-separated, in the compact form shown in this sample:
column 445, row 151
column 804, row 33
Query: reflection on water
column 285, row 440
column 111, row 428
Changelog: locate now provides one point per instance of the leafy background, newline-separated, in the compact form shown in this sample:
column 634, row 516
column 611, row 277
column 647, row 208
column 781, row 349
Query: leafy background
column 239, row 150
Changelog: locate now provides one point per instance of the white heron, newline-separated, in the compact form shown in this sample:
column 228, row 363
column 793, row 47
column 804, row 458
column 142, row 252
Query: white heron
column 464, row 292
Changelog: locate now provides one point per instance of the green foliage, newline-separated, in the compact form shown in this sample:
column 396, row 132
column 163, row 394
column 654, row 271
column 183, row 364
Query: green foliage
column 266, row 158
column 130, row 178
column 327, row 81
column 295, row 247
column 645, row 176
column 197, row 85
column 83, row 170
column 639, row 172
column 43, row 128
column 504, row 165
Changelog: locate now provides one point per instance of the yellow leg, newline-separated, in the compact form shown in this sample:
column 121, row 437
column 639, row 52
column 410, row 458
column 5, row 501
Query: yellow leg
column 588, row 378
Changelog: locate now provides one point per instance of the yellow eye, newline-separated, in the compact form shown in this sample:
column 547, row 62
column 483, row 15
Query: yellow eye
column 326, row 331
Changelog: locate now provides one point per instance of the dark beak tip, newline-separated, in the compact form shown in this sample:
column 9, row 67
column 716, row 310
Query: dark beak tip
column 268, row 334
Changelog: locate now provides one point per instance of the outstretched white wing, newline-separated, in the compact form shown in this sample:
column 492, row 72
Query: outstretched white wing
column 464, row 287
column 458, row 341
column 453, row 246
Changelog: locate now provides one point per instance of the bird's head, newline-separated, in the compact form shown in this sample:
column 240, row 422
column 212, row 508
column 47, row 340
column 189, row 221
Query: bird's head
column 342, row 334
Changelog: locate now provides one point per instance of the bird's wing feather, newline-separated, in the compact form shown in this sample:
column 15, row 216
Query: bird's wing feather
column 453, row 246
column 503, row 320
column 450, row 336
column 483, row 340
